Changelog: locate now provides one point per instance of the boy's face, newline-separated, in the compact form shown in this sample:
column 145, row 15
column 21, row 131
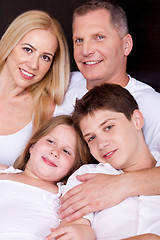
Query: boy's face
column 112, row 138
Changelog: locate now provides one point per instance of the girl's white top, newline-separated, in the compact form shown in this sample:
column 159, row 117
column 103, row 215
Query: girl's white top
column 26, row 212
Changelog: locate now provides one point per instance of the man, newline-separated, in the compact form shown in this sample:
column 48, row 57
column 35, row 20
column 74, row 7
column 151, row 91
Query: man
column 101, row 46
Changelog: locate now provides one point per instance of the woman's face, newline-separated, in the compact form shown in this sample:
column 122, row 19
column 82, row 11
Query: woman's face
column 31, row 58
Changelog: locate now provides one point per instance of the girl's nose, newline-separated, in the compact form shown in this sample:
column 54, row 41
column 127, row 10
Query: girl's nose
column 55, row 153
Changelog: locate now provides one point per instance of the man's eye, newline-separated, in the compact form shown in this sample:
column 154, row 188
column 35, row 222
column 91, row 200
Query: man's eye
column 27, row 50
column 100, row 37
column 79, row 40
column 46, row 58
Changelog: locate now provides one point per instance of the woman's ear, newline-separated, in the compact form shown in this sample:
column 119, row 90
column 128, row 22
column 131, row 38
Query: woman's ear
column 127, row 44
column 138, row 119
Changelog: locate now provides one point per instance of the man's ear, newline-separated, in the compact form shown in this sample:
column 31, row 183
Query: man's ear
column 138, row 119
column 127, row 44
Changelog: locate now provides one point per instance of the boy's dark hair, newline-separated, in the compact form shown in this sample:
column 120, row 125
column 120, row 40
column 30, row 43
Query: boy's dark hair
column 111, row 97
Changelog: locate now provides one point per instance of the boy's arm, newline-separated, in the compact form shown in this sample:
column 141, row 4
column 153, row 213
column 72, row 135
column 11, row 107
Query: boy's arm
column 79, row 229
column 100, row 191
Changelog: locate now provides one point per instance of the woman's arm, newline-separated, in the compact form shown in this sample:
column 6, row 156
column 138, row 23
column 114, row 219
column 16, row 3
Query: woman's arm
column 100, row 191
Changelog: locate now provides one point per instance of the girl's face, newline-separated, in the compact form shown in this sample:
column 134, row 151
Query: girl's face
column 52, row 157
column 31, row 58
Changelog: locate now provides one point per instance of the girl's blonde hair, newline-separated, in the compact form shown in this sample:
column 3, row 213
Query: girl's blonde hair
column 82, row 154
column 52, row 88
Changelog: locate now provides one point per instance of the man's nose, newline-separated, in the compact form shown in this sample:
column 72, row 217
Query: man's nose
column 87, row 48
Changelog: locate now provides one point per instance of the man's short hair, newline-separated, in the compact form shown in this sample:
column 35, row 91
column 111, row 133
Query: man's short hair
column 118, row 16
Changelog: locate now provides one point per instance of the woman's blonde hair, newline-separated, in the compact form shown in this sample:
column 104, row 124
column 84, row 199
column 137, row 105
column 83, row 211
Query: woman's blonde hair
column 82, row 154
column 52, row 88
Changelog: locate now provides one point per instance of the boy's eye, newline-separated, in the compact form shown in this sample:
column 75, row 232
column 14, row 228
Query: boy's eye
column 91, row 139
column 109, row 127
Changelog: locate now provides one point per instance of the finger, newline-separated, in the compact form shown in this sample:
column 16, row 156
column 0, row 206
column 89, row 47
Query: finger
column 75, row 190
column 86, row 177
column 59, row 232
column 72, row 205
column 79, row 214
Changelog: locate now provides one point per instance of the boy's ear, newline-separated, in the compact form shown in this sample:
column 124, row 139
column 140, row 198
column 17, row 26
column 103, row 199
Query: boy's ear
column 138, row 119
column 127, row 44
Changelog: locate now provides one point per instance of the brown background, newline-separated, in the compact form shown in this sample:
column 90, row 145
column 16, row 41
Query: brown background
column 144, row 24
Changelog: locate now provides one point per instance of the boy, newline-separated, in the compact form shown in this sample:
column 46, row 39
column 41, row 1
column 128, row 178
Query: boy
column 111, row 124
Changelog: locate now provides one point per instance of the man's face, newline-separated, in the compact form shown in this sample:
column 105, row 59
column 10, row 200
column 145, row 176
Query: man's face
column 99, row 51
column 112, row 138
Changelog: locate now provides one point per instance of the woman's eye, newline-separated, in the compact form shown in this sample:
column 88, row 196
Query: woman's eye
column 46, row 58
column 27, row 50
column 65, row 151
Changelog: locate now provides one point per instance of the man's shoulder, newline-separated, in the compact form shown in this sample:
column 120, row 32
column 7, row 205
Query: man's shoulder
column 136, row 87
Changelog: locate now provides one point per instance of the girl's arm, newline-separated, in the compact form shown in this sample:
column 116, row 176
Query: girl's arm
column 79, row 229
column 2, row 167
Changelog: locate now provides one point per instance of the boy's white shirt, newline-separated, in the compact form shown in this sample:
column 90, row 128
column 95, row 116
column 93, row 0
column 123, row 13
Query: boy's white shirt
column 133, row 216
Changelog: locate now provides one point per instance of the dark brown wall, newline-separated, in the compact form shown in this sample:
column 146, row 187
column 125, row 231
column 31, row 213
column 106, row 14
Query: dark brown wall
column 144, row 24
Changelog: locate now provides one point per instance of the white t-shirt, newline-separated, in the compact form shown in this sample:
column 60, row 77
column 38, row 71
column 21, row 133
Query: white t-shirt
column 133, row 216
column 147, row 98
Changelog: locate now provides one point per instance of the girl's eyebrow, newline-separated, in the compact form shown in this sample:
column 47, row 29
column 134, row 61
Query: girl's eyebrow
column 36, row 49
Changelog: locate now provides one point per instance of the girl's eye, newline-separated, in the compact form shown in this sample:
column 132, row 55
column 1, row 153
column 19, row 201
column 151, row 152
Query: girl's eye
column 65, row 151
column 50, row 141
column 28, row 50
column 46, row 58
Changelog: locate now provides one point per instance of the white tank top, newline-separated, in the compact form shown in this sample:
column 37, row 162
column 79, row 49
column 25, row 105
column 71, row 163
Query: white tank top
column 11, row 146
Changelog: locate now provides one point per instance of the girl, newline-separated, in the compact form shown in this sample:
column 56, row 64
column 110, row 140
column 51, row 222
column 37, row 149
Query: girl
column 30, row 194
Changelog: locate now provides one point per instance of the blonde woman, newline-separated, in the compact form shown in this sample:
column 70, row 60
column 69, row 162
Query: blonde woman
column 34, row 76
